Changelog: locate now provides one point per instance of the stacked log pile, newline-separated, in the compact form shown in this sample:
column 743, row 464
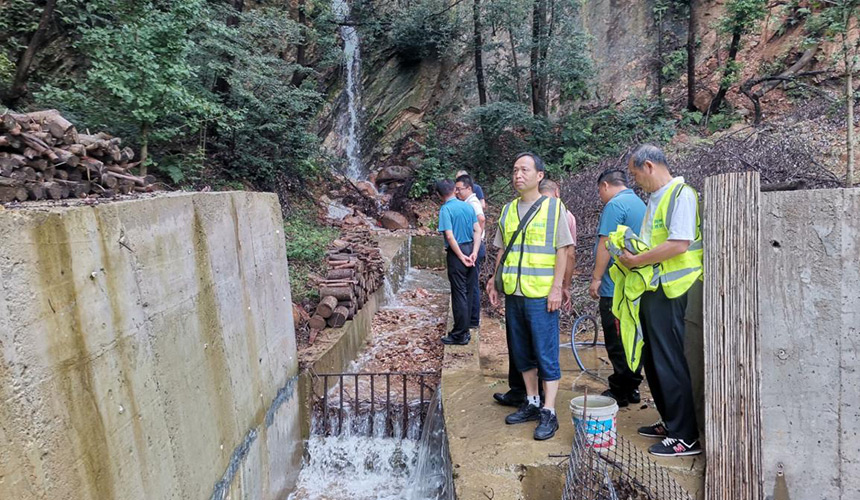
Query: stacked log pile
column 42, row 156
column 355, row 271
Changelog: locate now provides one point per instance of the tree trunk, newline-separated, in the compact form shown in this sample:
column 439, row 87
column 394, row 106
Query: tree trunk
column 479, row 48
column 144, row 147
column 691, row 58
column 658, row 88
column 724, row 86
column 537, row 79
column 19, row 83
column 222, row 85
column 299, row 74
column 849, row 96
column 515, row 62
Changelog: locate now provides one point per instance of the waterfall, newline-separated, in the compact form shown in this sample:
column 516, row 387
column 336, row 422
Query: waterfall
column 352, row 60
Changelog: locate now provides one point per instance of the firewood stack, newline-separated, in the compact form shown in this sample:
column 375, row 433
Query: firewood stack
column 42, row 156
column 355, row 271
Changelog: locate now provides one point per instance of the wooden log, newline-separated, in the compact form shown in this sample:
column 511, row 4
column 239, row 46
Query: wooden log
column 77, row 149
column 326, row 306
column 10, row 124
column 53, row 122
column 338, row 292
column 125, row 187
column 10, row 193
column 11, row 182
column 317, row 322
column 35, row 190
column 61, row 174
column 66, row 157
column 109, row 181
column 337, row 274
column 338, row 317
column 733, row 428
column 53, row 190
column 40, row 146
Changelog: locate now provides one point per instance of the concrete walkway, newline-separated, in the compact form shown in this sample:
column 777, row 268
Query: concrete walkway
column 492, row 460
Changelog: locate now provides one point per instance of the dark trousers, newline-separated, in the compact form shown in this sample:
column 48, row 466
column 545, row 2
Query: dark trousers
column 623, row 380
column 462, row 280
column 475, row 319
column 665, row 364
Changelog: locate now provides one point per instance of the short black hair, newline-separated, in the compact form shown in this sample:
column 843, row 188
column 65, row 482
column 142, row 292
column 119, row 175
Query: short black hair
column 466, row 180
column 444, row 187
column 647, row 152
column 539, row 166
column 614, row 176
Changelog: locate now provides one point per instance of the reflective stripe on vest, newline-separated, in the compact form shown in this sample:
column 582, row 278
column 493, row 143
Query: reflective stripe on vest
column 531, row 261
column 679, row 273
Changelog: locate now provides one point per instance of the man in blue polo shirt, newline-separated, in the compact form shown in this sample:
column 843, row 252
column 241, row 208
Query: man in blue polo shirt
column 459, row 224
column 623, row 207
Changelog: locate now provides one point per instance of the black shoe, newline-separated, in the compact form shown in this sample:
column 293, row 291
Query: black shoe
column 657, row 430
column 509, row 399
column 451, row 340
column 547, row 426
column 622, row 402
column 671, row 447
column 526, row 413
column 634, row 397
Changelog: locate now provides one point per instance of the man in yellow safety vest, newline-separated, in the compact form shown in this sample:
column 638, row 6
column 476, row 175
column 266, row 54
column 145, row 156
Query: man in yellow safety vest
column 672, row 230
column 532, row 239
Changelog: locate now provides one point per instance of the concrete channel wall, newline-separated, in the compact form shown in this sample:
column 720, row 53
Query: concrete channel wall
column 147, row 351
column 809, row 310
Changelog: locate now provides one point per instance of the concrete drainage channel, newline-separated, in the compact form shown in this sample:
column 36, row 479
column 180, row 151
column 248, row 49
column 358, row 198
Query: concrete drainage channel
column 378, row 435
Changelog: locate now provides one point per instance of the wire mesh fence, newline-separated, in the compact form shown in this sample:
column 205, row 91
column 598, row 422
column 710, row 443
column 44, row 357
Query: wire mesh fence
column 605, row 466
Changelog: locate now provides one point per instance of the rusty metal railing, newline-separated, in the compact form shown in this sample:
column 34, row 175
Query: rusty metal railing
column 386, row 404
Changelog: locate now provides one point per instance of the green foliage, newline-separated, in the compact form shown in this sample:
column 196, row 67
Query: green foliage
column 271, row 131
column 306, row 242
column 7, row 69
column 423, row 29
column 722, row 121
column 742, row 15
column 590, row 135
column 433, row 164
column 139, row 77
column 674, row 64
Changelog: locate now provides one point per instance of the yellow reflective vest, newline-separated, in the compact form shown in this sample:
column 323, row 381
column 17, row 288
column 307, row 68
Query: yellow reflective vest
column 630, row 284
column 531, row 261
column 679, row 273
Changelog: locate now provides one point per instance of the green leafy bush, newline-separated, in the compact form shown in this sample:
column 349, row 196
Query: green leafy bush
column 423, row 29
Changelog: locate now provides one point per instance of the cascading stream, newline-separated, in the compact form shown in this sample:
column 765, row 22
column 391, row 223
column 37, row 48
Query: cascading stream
column 352, row 61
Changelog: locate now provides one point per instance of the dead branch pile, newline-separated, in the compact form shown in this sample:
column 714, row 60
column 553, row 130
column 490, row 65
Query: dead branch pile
column 355, row 271
column 42, row 156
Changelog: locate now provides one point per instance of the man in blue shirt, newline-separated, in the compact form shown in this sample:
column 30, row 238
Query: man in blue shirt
column 623, row 207
column 459, row 224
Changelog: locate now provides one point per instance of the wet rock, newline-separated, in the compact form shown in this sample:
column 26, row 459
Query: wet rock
column 367, row 189
column 393, row 220
column 703, row 100
column 393, row 173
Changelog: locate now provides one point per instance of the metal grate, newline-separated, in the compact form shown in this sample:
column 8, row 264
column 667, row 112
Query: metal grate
column 622, row 472
column 388, row 404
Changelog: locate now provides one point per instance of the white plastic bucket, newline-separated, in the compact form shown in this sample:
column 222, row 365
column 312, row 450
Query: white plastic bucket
column 599, row 422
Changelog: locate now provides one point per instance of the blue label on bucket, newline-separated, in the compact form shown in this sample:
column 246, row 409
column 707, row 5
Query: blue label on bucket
column 596, row 426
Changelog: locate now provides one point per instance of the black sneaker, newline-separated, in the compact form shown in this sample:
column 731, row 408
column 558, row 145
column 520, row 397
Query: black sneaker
column 657, row 430
column 547, row 426
column 451, row 340
column 622, row 402
column 671, row 447
column 509, row 398
column 634, row 397
column 526, row 413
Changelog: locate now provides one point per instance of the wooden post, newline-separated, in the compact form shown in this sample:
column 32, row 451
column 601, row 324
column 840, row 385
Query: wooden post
column 732, row 408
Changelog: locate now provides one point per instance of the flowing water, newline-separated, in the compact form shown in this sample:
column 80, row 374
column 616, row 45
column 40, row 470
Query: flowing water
column 352, row 56
column 359, row 463
column 356, row 467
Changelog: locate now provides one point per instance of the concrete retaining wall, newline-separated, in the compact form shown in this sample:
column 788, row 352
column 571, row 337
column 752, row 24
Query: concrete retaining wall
column 810, row 320
column 147, row 351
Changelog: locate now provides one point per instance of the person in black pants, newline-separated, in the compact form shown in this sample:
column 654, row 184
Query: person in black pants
column 459, row 224
column 622, row 207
